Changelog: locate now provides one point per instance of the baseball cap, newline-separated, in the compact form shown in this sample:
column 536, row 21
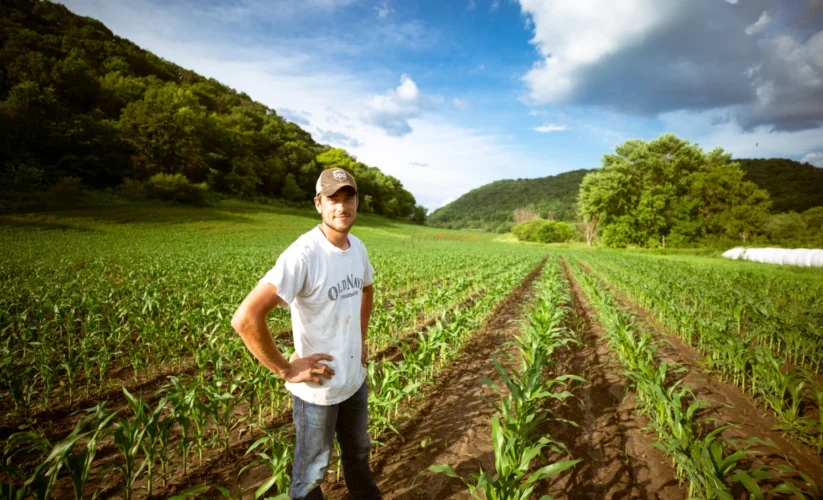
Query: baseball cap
column 332, row 180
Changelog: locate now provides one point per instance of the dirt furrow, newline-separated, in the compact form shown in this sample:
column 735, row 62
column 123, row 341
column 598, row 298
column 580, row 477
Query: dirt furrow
column 619, row 460
column 727, row 403
column 453, row 426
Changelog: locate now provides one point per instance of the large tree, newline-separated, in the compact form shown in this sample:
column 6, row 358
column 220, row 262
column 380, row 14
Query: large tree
column 668, row 191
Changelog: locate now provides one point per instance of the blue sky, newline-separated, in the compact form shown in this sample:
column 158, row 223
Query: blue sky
column 450, row 95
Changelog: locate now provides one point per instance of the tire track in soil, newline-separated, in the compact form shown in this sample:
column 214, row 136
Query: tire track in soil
column 454, row 418
column 727, row 403
column 619, row 460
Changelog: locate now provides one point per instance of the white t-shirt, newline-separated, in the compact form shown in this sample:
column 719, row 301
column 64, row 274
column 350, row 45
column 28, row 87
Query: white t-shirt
column 322, row 285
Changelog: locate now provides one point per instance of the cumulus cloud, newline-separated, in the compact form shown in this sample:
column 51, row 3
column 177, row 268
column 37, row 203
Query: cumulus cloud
column 545, row 129
column 338, row 138
column 763, row 21
column 393, row 110
column 297, row 116
column 647, row 57
column 815, row 159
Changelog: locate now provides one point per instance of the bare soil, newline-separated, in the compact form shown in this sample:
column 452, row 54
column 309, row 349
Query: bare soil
column 726, row 402
column 619, row 460
column 453, row 426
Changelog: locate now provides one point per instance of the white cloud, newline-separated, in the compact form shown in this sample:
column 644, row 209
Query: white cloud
column 760, row 142
column 815, row 159
column 383, row 9
column 460, row 104
column 472, row 5
column 763, row 21
column 545, row 129
column 495, row 5
column 393, row 110
column 571, row 35
column 646, row 57
column 335, row 99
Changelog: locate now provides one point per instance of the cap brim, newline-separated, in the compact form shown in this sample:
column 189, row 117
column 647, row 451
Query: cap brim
column 330, row 190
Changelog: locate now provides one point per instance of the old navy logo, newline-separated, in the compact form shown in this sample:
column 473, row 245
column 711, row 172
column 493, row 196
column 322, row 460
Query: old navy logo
column 348, row 287
column 339, row 175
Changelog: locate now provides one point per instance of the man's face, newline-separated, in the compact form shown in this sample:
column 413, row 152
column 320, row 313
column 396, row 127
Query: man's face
column 339, row 210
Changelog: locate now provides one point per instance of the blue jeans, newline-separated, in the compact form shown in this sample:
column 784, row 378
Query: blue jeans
column 315, row 427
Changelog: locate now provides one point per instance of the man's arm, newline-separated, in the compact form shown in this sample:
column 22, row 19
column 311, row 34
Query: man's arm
column 366, row 303
column 249, row 321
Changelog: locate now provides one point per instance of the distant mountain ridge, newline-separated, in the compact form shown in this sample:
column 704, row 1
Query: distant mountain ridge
column 792, row 186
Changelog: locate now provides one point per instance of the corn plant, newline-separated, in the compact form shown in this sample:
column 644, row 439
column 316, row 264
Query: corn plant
column 273, row 450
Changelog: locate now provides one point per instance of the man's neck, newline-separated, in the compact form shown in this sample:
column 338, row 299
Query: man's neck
column 338, row 239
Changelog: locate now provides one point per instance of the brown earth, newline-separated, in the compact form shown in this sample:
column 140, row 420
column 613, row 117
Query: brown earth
column 222, row 468
column 453, row 426
column 619, row 460
column 726, row 403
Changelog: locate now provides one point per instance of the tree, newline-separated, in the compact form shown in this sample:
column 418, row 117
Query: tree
column 291, row 191
column 668, row 191
column 76, row 101
column 543, row 231
column 419, row 215
column 524, row 214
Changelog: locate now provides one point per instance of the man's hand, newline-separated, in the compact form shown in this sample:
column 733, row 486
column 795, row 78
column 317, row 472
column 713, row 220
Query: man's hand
column 364, row 354
column 309, row 369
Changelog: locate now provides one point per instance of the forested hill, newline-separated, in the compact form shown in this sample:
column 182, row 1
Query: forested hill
column 793, row 186
column 490, row 207
column 77, row 101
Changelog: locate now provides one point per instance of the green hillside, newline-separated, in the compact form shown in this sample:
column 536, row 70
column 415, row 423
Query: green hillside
column 793, row 186
column 490, row 207
column 81, row 106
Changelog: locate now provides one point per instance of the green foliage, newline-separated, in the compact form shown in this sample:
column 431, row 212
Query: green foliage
column 668, row 189
column 792, row 229
column 792, row 186
column 543, row 231
column 175, row 187
column 491, row 207
column 67, row 191
column 76, row 101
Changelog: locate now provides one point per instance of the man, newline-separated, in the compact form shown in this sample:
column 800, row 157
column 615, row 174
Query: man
column 325, row 277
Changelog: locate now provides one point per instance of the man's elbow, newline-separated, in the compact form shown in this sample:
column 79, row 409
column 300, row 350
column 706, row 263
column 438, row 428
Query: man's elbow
column 239, row 321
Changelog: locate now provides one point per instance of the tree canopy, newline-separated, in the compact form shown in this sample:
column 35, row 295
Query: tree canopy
column 77, row 101
column 668, row 191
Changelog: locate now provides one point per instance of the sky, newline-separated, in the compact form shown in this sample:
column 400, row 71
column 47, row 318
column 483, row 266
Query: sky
column 450, row 95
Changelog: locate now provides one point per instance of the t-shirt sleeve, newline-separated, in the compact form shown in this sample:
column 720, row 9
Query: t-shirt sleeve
column 368, row 275
column 289, row 274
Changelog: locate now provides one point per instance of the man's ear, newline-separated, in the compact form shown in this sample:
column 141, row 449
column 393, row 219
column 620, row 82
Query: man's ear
column 317, row 204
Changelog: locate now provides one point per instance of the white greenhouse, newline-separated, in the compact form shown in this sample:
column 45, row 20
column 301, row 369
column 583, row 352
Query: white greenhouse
column 804, row 257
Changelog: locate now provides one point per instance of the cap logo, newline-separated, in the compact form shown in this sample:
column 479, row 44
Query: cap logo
column 339, row 175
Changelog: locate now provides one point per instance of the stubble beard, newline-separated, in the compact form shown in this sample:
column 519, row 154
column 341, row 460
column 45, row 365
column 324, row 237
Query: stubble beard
column 337, row 225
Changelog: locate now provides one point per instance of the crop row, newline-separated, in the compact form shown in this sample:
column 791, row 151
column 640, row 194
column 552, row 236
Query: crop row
column 526, row 404
column 232, row 395
column 740, row 355
column 710, row 464
column 66, row 344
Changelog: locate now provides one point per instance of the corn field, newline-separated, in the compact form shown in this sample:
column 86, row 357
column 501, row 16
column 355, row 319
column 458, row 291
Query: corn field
column 121, row 376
